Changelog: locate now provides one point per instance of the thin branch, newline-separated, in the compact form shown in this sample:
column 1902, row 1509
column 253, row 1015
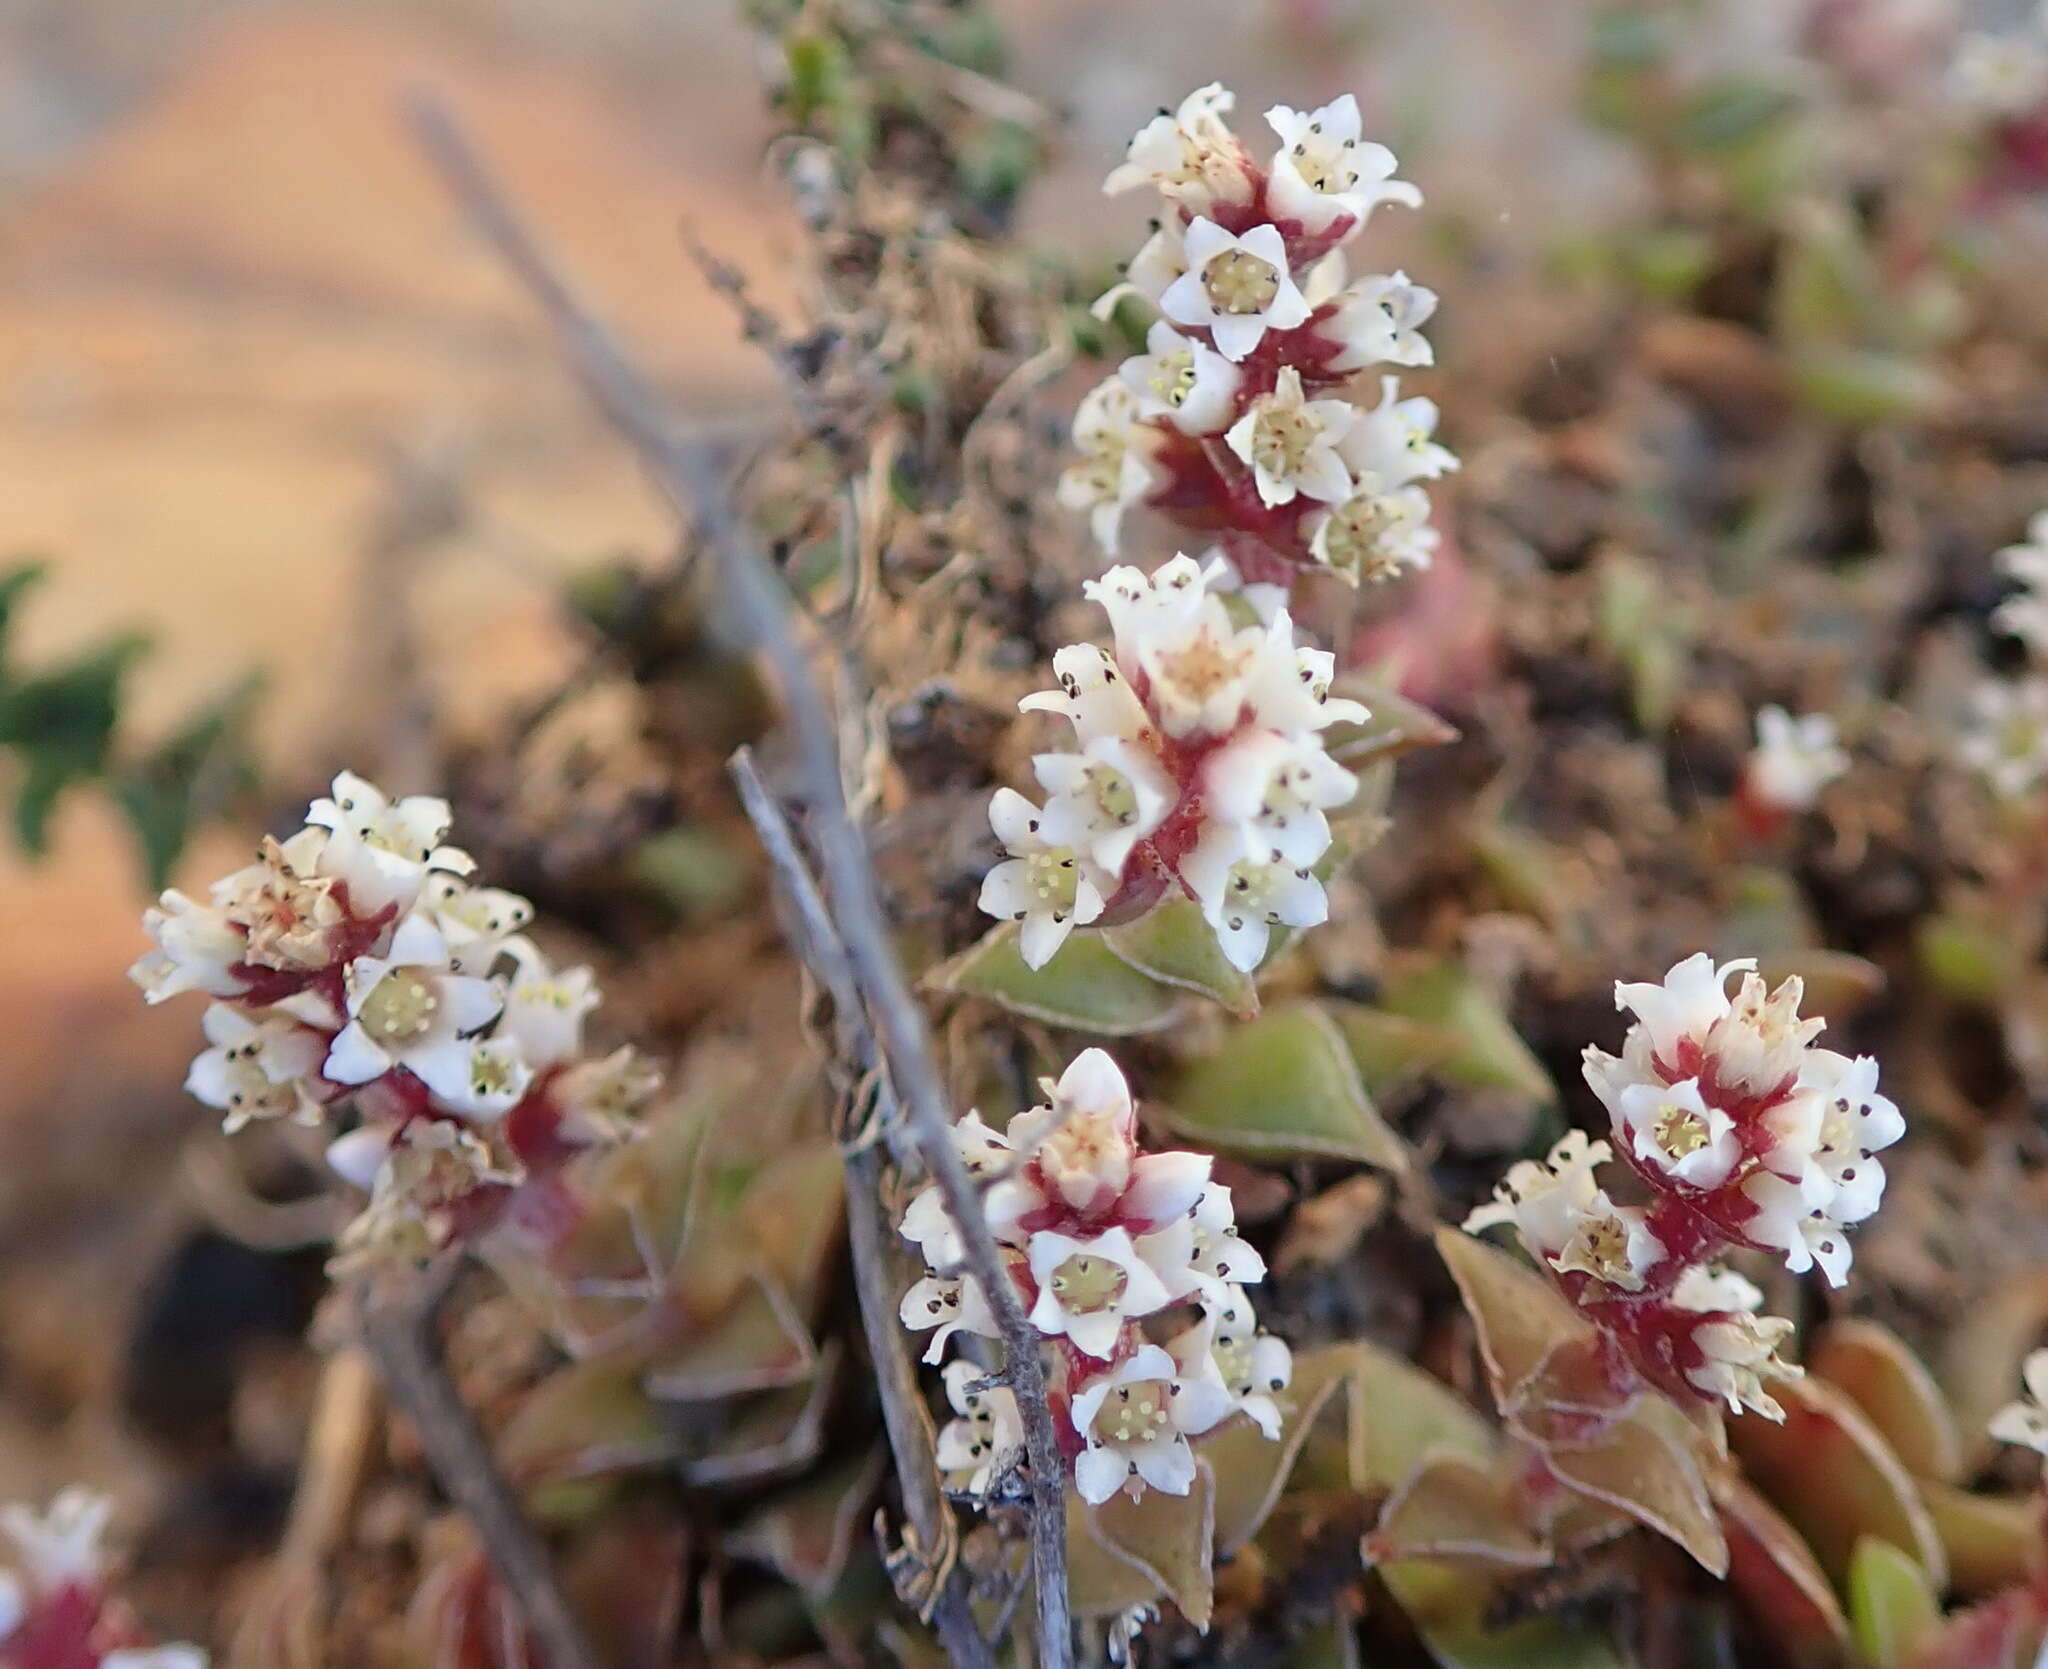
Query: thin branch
column 398, row 1332
column 692, row 479
column 809, row 925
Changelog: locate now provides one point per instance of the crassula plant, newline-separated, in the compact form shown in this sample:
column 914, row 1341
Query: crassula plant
column 1744, row 1135
column 1242, row 420
column 56, row 1609
column 1102, row 1241
column 1199, row 769
column 358, row 968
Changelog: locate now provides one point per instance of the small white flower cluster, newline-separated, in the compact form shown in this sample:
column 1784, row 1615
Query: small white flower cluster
column 2006, row 740
column 1746, row 1135
column 1199, row 763
column 1099, row 1238
column 359, row 959
column 54, row 1609
column 1239, row 415
column 1794, row 759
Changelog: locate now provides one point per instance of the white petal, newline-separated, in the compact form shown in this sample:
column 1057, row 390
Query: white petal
column 354, row 1058
column 1099, row 1473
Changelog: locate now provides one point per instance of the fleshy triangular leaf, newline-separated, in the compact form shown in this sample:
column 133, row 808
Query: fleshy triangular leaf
column 1520, row 1317
column 1174, row 945
column 1168, row 1540
column 1281, row 1086
column 1828, row 1470
column 1451, row 1507
column 1648, row 1464
column 1085, row 986
column 1392, row 1051
column 806, row 1534
column 1883, row 1377
column 1992, row 1541
column 1394, row 724
column 1493, row 1056
column 1248, row 1469
column 1778, row 1578
column 585, row 1419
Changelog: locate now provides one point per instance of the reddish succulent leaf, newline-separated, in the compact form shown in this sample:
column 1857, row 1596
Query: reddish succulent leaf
column 1992, row 1541
column 1520, row 1317
column 1988, row 1636
column 1981, row 1357
column 806, row 1533
column 1248, row 1469
column 1831, row 1473
column 1167, row 1540
column 760, row 1343
column 1778, row 1577
column 626, row 1581
column 1451, row 1507
column 1651, row 1464
column 1877, row 1371
column 584, row 1419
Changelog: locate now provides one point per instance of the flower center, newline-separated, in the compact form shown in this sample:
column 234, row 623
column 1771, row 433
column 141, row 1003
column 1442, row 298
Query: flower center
column 1202, row 668
column 1354, row 535
column 492, row 1072
column 1115, row 799
column 1599, row 1247
column 401, row 1008
column 1679, row 1131
column 1238, row 281
column 1251, row 887
column 1054, row 878
column 1173, row 377
column 1134, row 1413
column 1086, row 1285
column 1281, row 439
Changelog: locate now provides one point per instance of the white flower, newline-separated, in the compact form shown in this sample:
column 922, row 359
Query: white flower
column 986, row 1438
column 1761, row 1044
column 258, row 1068
column 1678, row 1010
column 408, row 1008
column 1373, row 535
column 1794, row 758
column 947, row 1306
column 1136, row 1420
column 1246, row 888
column 1161, row 259
column 1088, row 1289
column 1999, row 75
column 1081, row 1147
column 2025, row 613
column 1200, row 1255
column 154, row 1657
column 415, row 1175
column 1390, row 445
column 1279, row 787
column 544, row 1009
column 2007, row 738
column 1792, row 1218
column 600, row 1098
column 1324, row 169
column 1856, row 1123
column 1379, row 321
column 1564, row 1217
column 1103, row 800
column 197, row 948
column 1738, row 1348
column 1253, row 1367
column 1289, row 687
column 2026, row 1420
column 60, row 1546
column 1093, row 694
column 1050, row 889
column 1186, row 382
column 1199, row 671
column 285, row 904
column 1237, row 287
column 1670, row 1128
column 380, row 848
column 477, row 922
column 1115, row 469
column 1144, row 608
column 1290, row 444
column 1189, row 154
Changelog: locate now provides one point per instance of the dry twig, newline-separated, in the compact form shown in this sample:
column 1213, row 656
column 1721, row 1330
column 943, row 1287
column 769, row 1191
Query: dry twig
column 692, row 478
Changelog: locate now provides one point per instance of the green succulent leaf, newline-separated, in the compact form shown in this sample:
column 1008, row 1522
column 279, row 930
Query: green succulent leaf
column 198, row 774
column 1175, row 946
column 1392, row 1051
column 1282, row 1085
column 1085, row 986
column 1393, row 725
column 1892, row 1606
column 584, row 1420
column 1492, row 1056
column 1157, row 1545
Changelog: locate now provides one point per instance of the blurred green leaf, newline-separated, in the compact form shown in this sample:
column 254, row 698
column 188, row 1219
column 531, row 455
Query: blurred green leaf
column 1282, row 1085
column 1392, row 1051
column 198, row 774
column 60, row 725
column 1892, row 1607
column 1731, row 111
column 1439, row 993
column 1641, row 630
column 1861, row 387
column 1085, row 985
